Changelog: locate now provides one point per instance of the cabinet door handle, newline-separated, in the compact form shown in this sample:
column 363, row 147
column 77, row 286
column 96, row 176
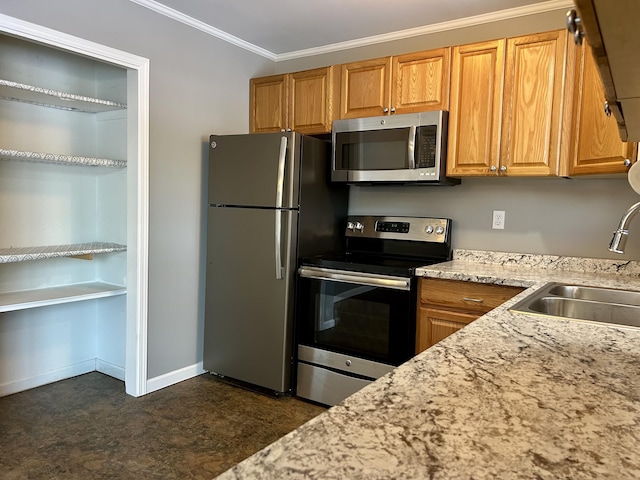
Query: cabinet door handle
column 474, row 300
column 607, row 109
column 573, row 25
column 385, row 110
column 503, row 168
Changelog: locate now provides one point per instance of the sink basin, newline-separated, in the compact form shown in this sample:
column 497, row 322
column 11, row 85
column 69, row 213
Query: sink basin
column 591, row 304
column 608, row 295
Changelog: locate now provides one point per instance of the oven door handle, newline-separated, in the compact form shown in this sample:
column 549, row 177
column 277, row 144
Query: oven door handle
column 358, row 278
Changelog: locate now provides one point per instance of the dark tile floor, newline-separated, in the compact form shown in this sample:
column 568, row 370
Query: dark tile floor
column 88, row 428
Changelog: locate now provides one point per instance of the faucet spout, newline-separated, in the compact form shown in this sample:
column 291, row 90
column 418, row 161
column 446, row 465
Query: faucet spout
column 620, row 235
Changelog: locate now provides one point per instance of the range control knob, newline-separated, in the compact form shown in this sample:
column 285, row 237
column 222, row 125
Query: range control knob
column 359, row 227
column 439, row 230
column 350, row 226
column 428, row 229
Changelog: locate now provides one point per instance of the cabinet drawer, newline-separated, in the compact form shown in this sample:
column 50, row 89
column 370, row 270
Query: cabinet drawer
column 464, row 296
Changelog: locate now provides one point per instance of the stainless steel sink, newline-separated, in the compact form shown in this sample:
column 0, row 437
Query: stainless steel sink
column 591, row 304
column 608, row 295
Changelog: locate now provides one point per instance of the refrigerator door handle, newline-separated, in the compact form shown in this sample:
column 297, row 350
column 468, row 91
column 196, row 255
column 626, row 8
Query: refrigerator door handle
column 282, row 158
column 279, row 212
column 279, row 267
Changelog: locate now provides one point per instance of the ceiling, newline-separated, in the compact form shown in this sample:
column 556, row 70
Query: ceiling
column 281, row 29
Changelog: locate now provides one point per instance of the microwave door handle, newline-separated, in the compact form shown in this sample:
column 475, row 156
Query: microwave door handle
column 411, row 147
column 278, row 212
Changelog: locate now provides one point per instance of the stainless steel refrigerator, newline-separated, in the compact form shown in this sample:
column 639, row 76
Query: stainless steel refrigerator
column 270, row 203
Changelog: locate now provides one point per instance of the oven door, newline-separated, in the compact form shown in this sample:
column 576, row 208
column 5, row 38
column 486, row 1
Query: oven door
column 364, row 315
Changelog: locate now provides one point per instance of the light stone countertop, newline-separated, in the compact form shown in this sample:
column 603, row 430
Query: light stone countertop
column 510, row 396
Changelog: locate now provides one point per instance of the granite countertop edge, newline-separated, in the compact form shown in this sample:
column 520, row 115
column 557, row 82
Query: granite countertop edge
column 509, row 396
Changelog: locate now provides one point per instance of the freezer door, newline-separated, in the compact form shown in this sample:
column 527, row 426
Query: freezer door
column 248, row 310
column 254, row 170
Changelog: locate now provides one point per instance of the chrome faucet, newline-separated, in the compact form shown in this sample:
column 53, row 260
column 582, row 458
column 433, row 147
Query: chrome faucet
column 620, row 235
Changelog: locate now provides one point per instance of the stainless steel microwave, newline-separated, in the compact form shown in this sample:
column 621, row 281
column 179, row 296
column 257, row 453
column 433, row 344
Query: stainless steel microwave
column 407, row 148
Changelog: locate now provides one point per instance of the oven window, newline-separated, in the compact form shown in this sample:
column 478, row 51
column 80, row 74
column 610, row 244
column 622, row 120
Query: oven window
column 350, row 318
column 371, row 322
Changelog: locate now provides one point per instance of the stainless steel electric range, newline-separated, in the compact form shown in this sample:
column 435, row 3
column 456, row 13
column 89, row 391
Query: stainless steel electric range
column 356, row 312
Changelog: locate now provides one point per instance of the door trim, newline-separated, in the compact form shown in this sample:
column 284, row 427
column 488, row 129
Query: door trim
column 137, row 184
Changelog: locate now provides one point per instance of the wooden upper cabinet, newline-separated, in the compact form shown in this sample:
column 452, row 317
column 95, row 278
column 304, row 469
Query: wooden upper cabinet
column 268, row 104
column 313, row 99
column 475, row 113
column 596, row 147
column 365, row 88
column 415, row 82
column 420, row 81
column 303, row 101
column 533, row 101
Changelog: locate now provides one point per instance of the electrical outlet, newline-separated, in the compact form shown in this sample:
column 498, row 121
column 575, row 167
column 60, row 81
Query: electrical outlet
column 498, row 220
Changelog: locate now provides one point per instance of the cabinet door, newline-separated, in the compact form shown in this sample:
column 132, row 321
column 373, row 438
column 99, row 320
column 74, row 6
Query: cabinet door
column 533, row 97
column 420, row 81
column 313, row 99
column 365, row 88
column 596, row 147
column 475, row 116
column 268, row 104
column 435, row 325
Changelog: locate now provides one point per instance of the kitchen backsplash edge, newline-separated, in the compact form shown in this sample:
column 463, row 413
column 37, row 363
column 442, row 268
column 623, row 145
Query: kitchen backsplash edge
column 549, row 262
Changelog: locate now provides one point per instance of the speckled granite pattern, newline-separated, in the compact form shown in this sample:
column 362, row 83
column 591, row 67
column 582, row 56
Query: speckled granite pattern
column 550, row 262
column 524, row 270
column 510, row 396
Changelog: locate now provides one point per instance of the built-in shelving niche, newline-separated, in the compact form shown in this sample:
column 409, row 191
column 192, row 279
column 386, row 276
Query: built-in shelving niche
column 70, row 171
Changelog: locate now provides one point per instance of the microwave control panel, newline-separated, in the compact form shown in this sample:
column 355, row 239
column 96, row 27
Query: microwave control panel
column 427, row 145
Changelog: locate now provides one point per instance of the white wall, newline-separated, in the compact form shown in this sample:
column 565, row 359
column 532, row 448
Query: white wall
column 198, row 85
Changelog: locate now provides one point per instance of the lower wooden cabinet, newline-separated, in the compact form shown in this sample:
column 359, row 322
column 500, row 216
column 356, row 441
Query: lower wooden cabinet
column 446, row 306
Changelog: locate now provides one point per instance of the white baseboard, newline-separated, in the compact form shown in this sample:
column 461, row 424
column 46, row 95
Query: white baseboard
column 107, row 368
column 47, row 377
column 110, row 369
column 177, row 376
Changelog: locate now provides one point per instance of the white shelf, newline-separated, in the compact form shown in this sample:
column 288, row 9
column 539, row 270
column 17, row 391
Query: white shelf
column 12, row 301
column 25, row 254
column 52, row 158
column 21, row 92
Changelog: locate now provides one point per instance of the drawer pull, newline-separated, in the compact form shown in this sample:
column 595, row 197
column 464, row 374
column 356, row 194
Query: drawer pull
column 474, row 300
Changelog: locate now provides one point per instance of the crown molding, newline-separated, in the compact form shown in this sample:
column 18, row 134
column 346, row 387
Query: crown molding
column 360, row 42
column 204, row 27
column 430, row 29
